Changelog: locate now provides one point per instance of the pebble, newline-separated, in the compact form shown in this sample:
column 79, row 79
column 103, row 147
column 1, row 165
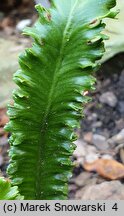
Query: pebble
column 84, row 152
column 80, row 150
column 107, row 156
column 112, row 190
column 121, row 79
column 88, row 137
column 92, row 117
column 79, row 161
column 81, row 180
column 120, row 124
column 106, row 82
column 91, row 149
column 117, row 139
column 97, row 124
column 105, row 133
column 22, row 24
column 108, row 98
column 72, row 187
column 90, row 158
column 3, row 141
column 89, row 182
column 121, row 107
column 100, row 142
column 121, row 152
column 1, row 160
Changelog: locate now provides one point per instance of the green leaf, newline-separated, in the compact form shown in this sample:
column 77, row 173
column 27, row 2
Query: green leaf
column 7, row 192
column 53, row 77
column 115, row 31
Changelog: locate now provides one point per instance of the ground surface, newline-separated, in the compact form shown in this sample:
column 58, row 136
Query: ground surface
column 101, row 137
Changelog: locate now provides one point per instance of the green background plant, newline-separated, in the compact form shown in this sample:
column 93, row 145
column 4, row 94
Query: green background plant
column 115, row 31
column 7, row 192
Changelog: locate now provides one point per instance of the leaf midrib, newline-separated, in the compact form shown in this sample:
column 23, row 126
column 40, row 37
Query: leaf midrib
column 58, row 66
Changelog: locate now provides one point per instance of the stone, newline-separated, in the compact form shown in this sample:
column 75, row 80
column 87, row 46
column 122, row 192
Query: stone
column 91, row 149
column 100, row 180
column 80, row 150
column 121, row 79
column 100, row 142
column 91, row 154
column 92, row 117
column 80, row 192
column 108, row 98
column 112, row 190
column 88, row 137
column 90, row 158
column 105, row 133
column 121, row 152
column 79, row 161
column 97, row 124
column 106, row 82
column 120, row 124
column 72, row 187
column 82, row 179
column 22, row 24
column 1, row 160
column 3, row 141
column 117, row 139
column 84, row 152
column 121, row 107
column 107, row 156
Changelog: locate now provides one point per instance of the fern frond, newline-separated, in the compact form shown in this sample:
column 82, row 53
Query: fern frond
column 52, row 78
column 7, row 192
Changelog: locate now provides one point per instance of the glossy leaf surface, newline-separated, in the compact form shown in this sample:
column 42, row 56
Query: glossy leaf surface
column 53, row 77
column 7, row 192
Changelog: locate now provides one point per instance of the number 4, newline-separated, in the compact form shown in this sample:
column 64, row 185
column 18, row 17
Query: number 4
column 115, row 207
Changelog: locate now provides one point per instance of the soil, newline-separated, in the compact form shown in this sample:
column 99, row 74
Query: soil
column 101, row 118
column 110, row 78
